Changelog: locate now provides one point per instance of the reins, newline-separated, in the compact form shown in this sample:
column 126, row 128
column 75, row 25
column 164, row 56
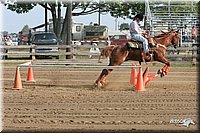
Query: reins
column 162, row 46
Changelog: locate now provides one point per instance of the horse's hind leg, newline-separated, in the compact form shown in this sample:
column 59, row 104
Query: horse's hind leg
column 116, row 59
column 102, row 78
column 99, row 60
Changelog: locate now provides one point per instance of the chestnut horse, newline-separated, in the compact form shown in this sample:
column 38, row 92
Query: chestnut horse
column 122, row 53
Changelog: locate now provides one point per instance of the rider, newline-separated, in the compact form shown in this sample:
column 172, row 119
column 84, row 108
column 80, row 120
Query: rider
column 137, row 33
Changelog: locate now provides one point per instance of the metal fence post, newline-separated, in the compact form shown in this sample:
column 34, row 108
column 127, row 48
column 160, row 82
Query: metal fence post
column 194, row 54
column 73, row 51
column 33, row 52
column 181, row 38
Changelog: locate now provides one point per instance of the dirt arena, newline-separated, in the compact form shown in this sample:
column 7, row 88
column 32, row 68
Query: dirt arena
column 63, row 100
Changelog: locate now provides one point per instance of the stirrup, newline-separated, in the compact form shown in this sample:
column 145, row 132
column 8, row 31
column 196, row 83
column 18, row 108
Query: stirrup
column 150, row 51
column 150, row 54
column 153, row 45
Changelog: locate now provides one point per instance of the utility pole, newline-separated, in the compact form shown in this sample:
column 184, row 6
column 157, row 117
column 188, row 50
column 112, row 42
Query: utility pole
column 46, row 21
column 99, row 20
column 169, row 12
column 147, row 17
column 69, row 26
column 116, row 24
column 99, row 15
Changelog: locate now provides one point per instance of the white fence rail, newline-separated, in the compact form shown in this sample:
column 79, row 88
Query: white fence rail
column 84, row 50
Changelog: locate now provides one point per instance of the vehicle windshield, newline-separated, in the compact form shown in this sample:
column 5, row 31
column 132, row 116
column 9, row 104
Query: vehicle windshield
column 44, row 37
column 117, row 37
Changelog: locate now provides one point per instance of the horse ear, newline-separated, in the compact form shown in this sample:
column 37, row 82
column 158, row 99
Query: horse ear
column 177, row 31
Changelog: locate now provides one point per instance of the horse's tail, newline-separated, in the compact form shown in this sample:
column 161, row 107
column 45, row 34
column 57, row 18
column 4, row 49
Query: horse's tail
column 106, row 52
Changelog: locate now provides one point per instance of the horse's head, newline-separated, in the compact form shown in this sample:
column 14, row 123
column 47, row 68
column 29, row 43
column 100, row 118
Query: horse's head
column 174, row 35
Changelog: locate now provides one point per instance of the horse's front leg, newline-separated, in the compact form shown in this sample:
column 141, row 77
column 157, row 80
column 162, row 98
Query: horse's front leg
column 165, row 70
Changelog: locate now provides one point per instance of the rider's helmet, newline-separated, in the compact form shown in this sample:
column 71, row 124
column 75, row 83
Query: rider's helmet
column 139, row 16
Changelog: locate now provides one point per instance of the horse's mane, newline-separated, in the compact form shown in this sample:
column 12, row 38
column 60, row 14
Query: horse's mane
column 161, row 35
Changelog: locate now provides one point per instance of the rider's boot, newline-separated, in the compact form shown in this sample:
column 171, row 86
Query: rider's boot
column 148, row 55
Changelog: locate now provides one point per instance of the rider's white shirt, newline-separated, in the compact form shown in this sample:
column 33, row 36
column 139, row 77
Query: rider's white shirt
column 135, row 28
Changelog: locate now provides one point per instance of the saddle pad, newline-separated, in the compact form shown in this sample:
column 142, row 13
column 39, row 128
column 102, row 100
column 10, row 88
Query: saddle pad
column 132, row 45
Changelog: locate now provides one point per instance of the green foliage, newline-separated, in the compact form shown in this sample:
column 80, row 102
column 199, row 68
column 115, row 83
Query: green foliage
column 116, row 8
column 21, row 7
column 126, row 10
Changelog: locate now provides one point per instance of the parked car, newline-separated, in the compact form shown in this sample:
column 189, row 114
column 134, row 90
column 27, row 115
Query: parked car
column 119, row 39
column 45, row 39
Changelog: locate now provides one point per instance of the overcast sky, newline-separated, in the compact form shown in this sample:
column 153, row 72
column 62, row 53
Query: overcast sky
column 13, row 22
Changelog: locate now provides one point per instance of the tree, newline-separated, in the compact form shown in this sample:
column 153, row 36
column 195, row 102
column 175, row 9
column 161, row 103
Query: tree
column 126, row 9
column 117, row 9
column 124, row 26
column 25, row 28
column 86, row 7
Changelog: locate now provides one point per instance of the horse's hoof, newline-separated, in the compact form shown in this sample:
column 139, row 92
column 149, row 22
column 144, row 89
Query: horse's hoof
column 100, row 85
column 97, row 86
column 159, row 71
column 162, row 74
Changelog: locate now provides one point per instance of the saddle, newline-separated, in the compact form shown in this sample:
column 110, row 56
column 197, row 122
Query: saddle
column 134, row 44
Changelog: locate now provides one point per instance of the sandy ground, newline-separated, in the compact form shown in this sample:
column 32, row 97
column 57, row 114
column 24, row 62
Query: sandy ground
column 63, row 99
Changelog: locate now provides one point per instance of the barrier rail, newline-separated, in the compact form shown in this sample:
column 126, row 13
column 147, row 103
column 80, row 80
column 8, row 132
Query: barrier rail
column 138, row 80
column 31, row 64
column 73, row 65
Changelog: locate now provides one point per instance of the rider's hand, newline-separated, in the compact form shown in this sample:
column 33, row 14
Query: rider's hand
column 145, row 35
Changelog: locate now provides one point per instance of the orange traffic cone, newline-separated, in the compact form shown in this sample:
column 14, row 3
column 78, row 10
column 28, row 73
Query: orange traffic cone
column 145, row 75
column 149, row 78
column 140, row 83
column 30, row 75
column 18, row 81
column 133, row 76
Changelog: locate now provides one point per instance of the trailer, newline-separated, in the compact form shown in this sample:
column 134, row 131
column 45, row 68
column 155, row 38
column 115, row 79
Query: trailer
column 88, row 34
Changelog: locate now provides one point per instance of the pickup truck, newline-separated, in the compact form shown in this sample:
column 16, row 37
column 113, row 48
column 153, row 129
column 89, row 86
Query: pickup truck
column 119, row 39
